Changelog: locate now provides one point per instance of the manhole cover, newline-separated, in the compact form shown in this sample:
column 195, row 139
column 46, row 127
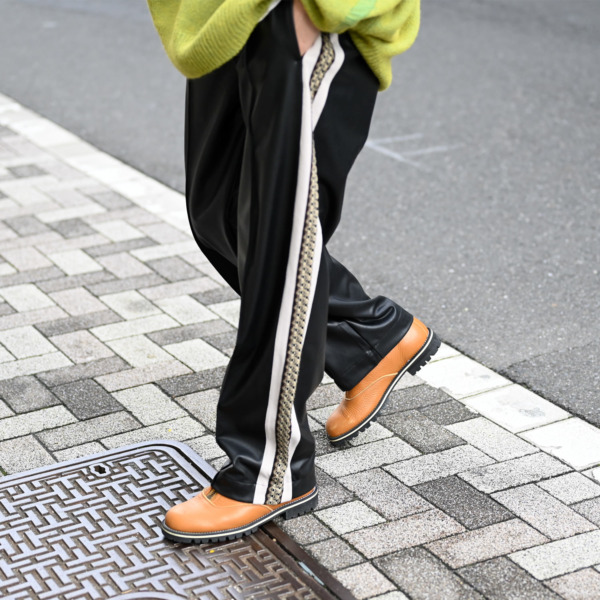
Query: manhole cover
column 88, row 529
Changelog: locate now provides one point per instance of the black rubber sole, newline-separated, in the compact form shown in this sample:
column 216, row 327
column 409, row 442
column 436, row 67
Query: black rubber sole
column 297, row 509
column 419, row 360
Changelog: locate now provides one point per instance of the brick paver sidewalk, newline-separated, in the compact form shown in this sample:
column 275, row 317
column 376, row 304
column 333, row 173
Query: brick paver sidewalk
column 115, row 329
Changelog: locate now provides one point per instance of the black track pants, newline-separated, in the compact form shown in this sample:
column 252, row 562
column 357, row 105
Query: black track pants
column 270, row 139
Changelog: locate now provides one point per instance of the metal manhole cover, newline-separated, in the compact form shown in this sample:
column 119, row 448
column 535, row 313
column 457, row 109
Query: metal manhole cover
column 88, row 529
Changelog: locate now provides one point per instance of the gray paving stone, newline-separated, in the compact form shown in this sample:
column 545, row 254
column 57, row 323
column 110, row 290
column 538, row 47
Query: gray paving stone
column 114, row 286
column 86, row 399
column 25, row 394
column 123, row 265
column 119, row 247
column 26, row 225
column 24, row 424
column 306, row 529
column 173, row 268
column 501, row 579
column 435, row 466
column 26, row 259
column 21, row 171
column 81, row 346
column 413, row 530
column 448, row 413
column 325, row 395
column 110, row 199
column 349, row 517
column 78, row 301
column 395, row 595
column 590, row 509
column 224, row 342
column 488, row 542
column 205, row 330
column 72, row 228
column 79, row 451
column 206, row 446
column 561, row 556
column 88, row 431
column 423, row 576
column 334, row 553
column 331, row 493
column 467, row 505
column 23, row 342
column 582, row 585
column 385, row 494
column 32, row 365
column 374, row 433
column 215, row 295
column 5, row 309
column 130, row 305
column 82, row 371
column 74, row 281
column 413, row 397
column 544, row 512
column 420, row 432
column 492, row 439
column 38, row 276
column 195, row 382
column 368, row 456
column 68, row 325
column 571, row 488
column 163, row 233
column 139, row 351
column 322, row 444
column 203, row 406
column 364, row 580
column 178, row 429
column 23, row 454
column 5, row 411
column 141, row 375
column 149, row 404
column 518, row 471
column 179, row 288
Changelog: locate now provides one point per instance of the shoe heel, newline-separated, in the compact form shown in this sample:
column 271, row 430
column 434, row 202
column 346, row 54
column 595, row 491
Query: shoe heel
column 301, row 509
column 425, row 356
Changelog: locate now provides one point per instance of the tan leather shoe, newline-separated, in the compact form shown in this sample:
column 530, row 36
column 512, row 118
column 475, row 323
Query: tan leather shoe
column 363, row 402
column 211, row 517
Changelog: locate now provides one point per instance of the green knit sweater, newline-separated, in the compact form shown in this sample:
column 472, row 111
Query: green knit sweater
column 201, row 35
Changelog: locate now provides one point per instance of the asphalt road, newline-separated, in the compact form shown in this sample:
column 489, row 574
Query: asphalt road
column 481, row 214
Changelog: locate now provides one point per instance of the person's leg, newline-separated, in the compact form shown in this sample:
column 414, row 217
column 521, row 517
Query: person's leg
column 360, row 329
column 275, row 238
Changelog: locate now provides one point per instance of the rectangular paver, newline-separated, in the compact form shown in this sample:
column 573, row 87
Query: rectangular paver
column 23, row 454
column 385, row 493
column 178, row 429
column 149, row 404
column 544, row 512
column 349, row 517
column 573, row 440
column 461, row 376
column 438, row 465
column 413, row 530
column 88, row 431
column 368, row 456
column 492, row 439
column 516, row 408
column 422, row 575
column 45, row 418
column 487, row 542
column 517, row 471
column 572, row 487
column 562, row 556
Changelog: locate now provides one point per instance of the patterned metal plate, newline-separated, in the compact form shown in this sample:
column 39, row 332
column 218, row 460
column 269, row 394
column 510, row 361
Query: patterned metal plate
column 88, row 529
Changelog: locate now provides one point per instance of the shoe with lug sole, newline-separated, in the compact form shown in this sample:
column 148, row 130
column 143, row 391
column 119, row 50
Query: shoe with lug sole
column 364, row 401
column 212, row 517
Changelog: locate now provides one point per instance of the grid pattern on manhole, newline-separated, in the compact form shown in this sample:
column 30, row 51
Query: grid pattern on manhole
column 91, row 531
